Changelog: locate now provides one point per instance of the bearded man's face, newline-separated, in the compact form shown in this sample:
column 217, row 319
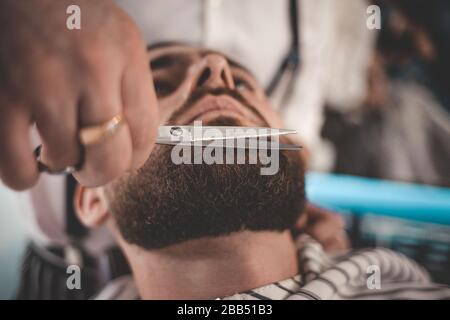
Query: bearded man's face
column 165, row 203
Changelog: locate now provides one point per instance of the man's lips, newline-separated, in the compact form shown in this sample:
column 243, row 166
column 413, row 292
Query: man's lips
column 212, row 107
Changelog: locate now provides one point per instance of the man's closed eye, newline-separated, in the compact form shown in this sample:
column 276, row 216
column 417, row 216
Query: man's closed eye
column 163, row 88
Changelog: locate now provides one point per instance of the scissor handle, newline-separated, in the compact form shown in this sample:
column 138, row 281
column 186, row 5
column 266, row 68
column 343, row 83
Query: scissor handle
column 42, row 167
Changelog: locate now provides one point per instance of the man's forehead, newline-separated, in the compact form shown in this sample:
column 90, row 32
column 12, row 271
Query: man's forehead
column 189, row 50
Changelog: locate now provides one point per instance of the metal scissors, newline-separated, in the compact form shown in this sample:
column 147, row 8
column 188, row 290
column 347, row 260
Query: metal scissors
column 244, row 138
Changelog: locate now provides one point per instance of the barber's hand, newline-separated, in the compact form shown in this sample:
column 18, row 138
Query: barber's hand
column 324, row 226
column 63, row 80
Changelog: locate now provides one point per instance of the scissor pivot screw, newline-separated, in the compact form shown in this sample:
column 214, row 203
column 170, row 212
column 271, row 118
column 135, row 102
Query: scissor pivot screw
column 176, row 131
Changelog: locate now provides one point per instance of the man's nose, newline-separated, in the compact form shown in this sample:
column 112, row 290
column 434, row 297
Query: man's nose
column 214, row 73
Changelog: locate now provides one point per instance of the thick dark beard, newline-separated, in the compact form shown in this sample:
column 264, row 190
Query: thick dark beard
column 164, row 204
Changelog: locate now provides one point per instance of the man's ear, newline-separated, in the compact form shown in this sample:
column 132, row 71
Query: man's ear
column 91, row 206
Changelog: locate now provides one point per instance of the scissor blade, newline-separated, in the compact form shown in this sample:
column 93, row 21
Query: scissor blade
column 208, row 133
column 249, row 144
column 230, row 132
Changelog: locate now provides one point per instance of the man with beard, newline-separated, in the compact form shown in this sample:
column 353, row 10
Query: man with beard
column 199, row 231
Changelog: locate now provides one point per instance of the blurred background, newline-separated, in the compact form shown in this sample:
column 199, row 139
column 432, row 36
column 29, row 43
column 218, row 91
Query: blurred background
column 400, row 132
column 382, row 159
column 401, row 129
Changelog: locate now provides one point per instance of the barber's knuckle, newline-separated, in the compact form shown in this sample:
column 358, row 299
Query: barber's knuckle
column 144, row 130
column 129, row 28
column 105, row 171
column 19, row 178
column 133, row 44
column 101, row 95
column 108, row 159
column 61, row 149
column 61, row 155
column 57, row 125
column 92, row 61
column 55, row 95
column 101, row 87
column 56, row 114
column 100, row 110
column 52, row 106
column 54, row 63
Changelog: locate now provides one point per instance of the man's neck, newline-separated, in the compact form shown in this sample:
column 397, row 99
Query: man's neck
column 213, row 267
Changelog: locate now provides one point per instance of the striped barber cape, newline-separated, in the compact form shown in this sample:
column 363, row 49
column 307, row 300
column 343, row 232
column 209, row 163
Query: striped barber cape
column 364, row 274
